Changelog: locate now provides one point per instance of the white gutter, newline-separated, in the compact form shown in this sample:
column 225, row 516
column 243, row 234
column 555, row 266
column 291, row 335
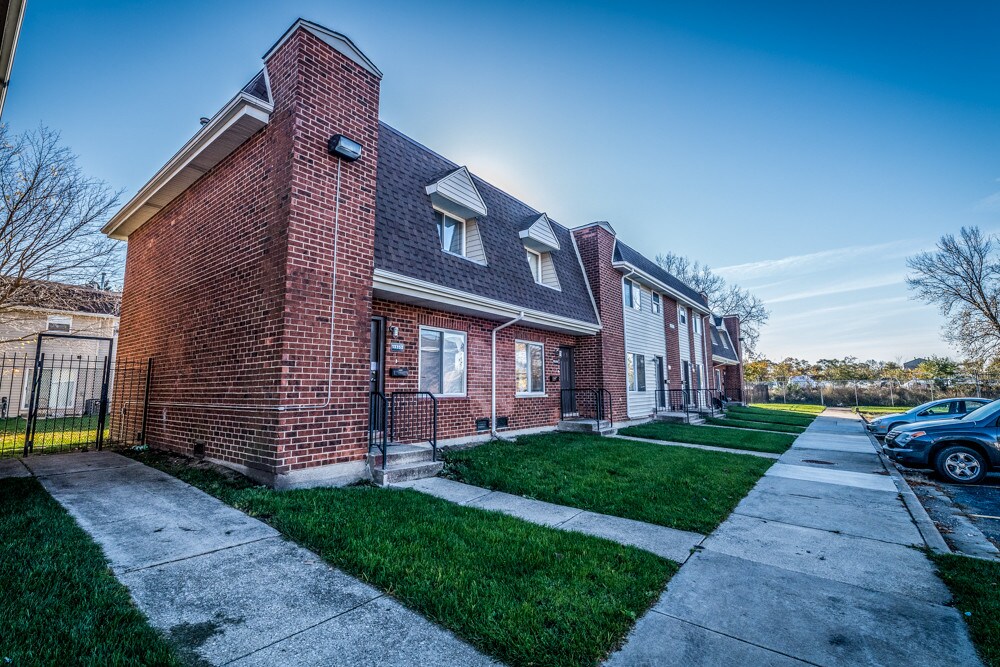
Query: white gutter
column 493, row 374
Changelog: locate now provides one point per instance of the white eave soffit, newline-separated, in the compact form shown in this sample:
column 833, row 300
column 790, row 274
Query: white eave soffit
column 241, row 118
column 539, row 236
column 457, row 194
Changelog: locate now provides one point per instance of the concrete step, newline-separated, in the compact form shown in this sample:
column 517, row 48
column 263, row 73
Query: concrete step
column 585, row 426
column 407, row 472
column 400, row 455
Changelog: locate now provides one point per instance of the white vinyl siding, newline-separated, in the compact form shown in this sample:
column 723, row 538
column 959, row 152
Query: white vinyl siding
column 699, row 355
column 549, row 276
column 644, row 335
column 474, row 242
column 457, row 193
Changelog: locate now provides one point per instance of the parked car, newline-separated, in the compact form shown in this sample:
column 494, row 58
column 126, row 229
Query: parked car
column 944, row 408
column 962, row 450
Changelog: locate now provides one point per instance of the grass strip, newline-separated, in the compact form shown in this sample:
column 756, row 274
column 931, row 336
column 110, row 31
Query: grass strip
column 675, row 487
column 525, row 594
column 59, row 602
column 791, row 407
column 755, row 425
column 775, row 443
column 770, row 416
column 975, row 586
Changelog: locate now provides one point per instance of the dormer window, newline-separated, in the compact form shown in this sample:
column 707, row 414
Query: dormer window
column 535, row 262
column 451, row 231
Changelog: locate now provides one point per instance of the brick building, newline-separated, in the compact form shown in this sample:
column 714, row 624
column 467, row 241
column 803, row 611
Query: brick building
column 305, row 276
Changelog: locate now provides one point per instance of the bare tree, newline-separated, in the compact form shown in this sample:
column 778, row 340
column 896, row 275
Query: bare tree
column 50, row 219
column 962, row 278
column 723, row 298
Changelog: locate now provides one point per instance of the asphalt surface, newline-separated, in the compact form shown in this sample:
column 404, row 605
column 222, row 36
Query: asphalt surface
column 979, row 503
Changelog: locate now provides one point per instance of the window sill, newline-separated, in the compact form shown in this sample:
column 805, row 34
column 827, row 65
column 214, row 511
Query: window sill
column 530, row 395
column 465, row 257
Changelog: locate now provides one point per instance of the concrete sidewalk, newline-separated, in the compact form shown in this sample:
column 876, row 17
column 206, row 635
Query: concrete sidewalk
column 228, row 588
column 816, row 565
column 676, row 545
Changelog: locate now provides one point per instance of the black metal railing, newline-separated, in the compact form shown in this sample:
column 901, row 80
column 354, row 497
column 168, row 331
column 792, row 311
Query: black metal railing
column 585, row 404
column 376, row 424
column 413, row 418
column 128, row 401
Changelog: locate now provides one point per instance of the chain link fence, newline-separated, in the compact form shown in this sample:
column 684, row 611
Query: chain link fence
column 885, row 393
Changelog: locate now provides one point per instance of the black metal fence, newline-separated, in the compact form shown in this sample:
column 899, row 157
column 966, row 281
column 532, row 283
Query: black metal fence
column 60, row 399
column 413, row 417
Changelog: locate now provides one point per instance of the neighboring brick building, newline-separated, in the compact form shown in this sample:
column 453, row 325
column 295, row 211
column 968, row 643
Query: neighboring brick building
column 284, row 284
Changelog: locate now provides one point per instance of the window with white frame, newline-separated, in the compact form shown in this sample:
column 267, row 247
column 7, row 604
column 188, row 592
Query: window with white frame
column 529, row 367
column 56, row 390
column 451, row 231
column 682, row 315
column 535, row 262
column 635, row 371
column 633, row 295
column 61, row 323
column 697, row 324
column 657, row 304
column 442, row 361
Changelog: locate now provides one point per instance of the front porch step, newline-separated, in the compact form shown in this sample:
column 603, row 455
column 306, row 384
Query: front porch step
column 679, row 418
column 585, row 426
column 397, row 455
column 406, row 472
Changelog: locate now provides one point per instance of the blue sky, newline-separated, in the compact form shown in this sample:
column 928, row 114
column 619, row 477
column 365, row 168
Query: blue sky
column 803, row 151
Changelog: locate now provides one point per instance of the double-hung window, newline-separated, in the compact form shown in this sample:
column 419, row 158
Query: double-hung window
column 697, row 324
column 633, row 295
column 635, row 371
column 442, row 361
column 657, row 305
column 451, row 231
column 529, row 370
column 682, row 315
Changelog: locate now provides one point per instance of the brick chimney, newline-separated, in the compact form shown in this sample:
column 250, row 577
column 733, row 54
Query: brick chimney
column 323, row 86
column 600, row 359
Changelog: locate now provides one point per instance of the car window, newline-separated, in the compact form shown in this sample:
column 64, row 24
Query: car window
column 920, row 408
column 942, row 409
column 989, row 410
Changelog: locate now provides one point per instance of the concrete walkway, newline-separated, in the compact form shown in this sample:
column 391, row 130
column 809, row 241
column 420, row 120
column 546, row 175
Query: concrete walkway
column 228, row 588
column 816, row 565
column 707, row 448
column 676, row 545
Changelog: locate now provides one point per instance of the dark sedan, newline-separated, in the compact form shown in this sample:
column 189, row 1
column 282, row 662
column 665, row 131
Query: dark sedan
column 961, row 450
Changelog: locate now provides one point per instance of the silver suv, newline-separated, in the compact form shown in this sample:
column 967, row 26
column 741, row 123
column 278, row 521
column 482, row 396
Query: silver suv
column 945, row 408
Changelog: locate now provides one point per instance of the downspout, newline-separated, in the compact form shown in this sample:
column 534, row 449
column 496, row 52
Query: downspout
column 493, row 375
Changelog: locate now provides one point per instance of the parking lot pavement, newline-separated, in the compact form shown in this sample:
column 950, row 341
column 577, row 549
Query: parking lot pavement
column 966, row 513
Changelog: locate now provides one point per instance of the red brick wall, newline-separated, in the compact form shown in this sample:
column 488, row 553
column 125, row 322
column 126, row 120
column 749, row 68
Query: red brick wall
column 601, row 358
column 457, row 416
column 228, row 287
column 673, row 342
column 734, row 375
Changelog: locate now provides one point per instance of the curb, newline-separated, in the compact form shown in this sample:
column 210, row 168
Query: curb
column 928, row 530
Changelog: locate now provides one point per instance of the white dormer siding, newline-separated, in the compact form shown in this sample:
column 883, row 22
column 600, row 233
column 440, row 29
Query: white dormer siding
column 474, row 242
column 549, row 276
column 644, row 335
column 540, row 236
column 457, row 195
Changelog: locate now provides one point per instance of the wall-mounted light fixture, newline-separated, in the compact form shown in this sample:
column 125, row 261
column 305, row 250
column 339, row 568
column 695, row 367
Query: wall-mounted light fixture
column 346, row 148
column 394, row 331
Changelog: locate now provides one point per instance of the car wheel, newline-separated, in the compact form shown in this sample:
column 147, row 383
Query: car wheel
column 894, row 425
column 961, row 464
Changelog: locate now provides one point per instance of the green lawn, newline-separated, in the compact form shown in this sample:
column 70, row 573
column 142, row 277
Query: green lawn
column 790, row 407
column 525, row 594
column 776, row 443
column 676, row 487
column 770, row 416
column 50, row 434
column 975, row 586
column 738, row 422
column 59, row 602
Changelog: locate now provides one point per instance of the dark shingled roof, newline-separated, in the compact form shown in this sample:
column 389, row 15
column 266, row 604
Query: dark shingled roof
column 406, row 237
column 258, row 87
column 718, row 349
column 70, row 298
column 624, row 253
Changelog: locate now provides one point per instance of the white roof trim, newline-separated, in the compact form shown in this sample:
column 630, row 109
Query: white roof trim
column 456, row 193
column 335, row 40
column 725, row 362
column 663, row 287
column 464, row 302
column 59, row 311
column 539, row 236
column 235, row 123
